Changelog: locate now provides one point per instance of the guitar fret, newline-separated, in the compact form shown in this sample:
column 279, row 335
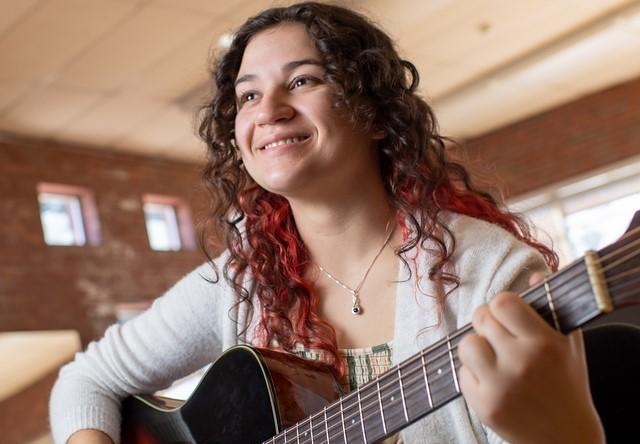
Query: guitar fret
column 426, row 380
column 439, row 373
column 404, row 404
column 364, row 432
column 384, row 425
column 304, row 430
column 453, row 367
column 326, row 425
column 552, row 306
column 344, row 430
column 393, row 415
column 311, row 429
column 352, row 415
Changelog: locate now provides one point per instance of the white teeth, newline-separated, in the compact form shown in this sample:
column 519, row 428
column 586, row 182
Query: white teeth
column 283, row 142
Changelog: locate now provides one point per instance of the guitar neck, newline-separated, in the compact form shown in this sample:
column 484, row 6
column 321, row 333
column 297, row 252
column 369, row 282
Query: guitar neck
column 428, row 380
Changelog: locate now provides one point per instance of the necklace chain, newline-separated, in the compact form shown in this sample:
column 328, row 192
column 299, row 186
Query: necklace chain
column 355, row 292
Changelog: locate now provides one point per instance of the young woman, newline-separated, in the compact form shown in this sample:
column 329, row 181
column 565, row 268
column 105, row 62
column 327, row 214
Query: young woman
column 352, row 239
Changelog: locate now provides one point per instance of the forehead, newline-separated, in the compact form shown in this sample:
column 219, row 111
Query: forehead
column 274, row 47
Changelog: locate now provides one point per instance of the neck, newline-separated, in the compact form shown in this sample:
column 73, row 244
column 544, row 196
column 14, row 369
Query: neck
column 342, row 233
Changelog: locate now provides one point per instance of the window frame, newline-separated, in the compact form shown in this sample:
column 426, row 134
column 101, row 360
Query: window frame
column 88, row 211
column 186, row 232
column 580, row 193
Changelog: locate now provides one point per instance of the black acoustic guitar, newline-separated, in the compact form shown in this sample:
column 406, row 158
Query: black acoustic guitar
column 257, row 396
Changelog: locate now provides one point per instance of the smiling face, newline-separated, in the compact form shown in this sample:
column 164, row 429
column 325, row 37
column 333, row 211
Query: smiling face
column 291, row 138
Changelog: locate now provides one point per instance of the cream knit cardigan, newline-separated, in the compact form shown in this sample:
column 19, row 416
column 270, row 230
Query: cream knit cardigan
column 193, row 322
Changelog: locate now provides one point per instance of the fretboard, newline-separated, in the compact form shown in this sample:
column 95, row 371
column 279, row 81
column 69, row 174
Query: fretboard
column 429, row 379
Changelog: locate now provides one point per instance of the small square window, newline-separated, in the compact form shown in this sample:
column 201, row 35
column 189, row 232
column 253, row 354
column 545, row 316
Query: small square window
column 61, row 219
column 162, row 226
column 68, row 215
column 168, row 223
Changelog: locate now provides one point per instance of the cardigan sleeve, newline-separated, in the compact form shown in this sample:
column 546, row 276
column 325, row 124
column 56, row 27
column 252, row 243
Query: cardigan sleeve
column 180, row 333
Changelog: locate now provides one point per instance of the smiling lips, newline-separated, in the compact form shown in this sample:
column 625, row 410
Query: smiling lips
column 284, row 141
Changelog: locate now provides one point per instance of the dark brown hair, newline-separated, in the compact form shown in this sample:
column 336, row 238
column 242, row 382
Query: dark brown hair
column 378, row 90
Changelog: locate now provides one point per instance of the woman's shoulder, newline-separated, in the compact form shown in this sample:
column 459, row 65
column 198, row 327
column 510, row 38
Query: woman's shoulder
column 487, row 252
column 473, row 233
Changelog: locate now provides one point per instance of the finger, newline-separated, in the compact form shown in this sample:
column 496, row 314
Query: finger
column 467, row 380
column 576, row 343
column 536, row 278
column 477, row 355
column 515, row 315
column 485, row 324
column 471, row 388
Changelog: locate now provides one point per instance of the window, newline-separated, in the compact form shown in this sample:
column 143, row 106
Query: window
column 68, row 215
column 587, row 214
column 168, row 222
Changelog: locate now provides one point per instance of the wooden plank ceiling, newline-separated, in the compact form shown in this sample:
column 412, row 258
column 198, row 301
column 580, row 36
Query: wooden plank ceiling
column 127, row 74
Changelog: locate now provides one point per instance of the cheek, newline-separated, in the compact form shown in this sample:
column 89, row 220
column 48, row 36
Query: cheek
column 242, row 133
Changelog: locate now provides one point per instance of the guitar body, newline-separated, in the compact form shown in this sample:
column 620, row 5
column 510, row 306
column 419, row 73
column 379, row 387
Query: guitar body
column 247, row 396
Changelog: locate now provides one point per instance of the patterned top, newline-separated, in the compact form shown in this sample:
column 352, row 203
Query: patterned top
column 363, row 365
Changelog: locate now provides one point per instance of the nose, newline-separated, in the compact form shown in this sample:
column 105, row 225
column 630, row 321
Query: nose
column 274, row 108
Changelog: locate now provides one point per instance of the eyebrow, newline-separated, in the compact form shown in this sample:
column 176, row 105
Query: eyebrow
column 287, row 67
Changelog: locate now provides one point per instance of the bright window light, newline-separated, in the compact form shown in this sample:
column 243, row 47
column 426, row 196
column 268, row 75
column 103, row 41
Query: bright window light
column 61, row 217
column 162, row 226
column 587, row 214
column 599, row 226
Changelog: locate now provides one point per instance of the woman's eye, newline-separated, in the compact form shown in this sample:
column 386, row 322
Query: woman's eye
column 301, row 81
column 246, row 97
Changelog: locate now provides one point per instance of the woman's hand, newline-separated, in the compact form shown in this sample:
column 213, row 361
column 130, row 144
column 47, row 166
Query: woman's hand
column 525, row 380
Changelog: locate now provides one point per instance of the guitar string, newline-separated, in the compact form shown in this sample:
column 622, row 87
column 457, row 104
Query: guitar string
column 577, row 282
column 611, row 279
column 560, row 284
column 447, row 367
column 434, row 378
column 564, row 298
column 357, row 425
column 407, row 378
column 410, row 380
column 465, row 329
column 558, row 297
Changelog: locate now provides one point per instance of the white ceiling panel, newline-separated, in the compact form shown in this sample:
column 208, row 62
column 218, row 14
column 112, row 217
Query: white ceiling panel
column 162, row 130
column 190, row 148
column 53, row 35
column 13, row 11
column 179, row 72
column 481, row 36
column 46, row 110
column 110, row 119
column 122, row 56
column 607, row 53
column 126, row 74
column 218, row 9
column 10, row 92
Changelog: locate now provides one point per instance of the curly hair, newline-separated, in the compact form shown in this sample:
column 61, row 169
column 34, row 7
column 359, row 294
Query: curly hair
column 378, row 90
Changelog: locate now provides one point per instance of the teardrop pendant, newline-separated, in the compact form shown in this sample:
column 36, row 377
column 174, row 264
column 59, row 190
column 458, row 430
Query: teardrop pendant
column 355, row 305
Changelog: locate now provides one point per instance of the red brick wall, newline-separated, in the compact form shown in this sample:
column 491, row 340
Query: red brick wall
column 567, row 141
column 47, row 287
column 44, row 287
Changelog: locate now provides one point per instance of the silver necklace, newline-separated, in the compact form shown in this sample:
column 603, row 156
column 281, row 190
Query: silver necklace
column 355, row 292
